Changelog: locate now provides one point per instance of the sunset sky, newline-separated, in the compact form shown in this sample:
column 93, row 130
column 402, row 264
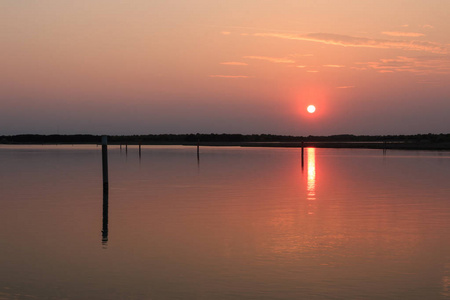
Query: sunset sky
column 247, row 66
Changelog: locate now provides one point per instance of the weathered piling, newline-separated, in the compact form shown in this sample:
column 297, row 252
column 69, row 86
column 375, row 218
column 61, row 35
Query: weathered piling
column 105, row 161
column 140, row 144
column 198, row 148
column 303, row 155
column 105, row 189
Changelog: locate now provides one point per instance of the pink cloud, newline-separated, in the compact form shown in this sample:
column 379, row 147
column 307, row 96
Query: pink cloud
column 272, row 59
column 351, row 41
column 403, row 34
column 234, row 63
column 334, row 66
column 418, row 65
column 229, row 76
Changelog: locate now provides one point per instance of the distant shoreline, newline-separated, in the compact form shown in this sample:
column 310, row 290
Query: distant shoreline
column 363, row 145
column 400, row 142
column 335, row 145
column 347, row 145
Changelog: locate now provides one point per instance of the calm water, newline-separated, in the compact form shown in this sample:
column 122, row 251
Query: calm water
column 238, row 224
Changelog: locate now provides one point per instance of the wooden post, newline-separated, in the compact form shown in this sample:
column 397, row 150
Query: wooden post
column 105, row 160
column 198, row 147
column 303, row 154
column 126, row 148
column 105, row 189
column 140, row 149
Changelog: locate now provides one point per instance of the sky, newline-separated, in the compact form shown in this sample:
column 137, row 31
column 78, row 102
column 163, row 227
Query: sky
column 237, row 66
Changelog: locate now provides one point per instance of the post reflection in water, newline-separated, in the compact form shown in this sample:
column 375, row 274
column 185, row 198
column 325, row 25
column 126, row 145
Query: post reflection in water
column 311, row 183
column 105, row 217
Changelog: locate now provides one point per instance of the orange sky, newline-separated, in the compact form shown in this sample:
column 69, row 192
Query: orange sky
column 248, row 66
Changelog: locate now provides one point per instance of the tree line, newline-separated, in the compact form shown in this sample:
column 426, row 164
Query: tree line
column 180, row 139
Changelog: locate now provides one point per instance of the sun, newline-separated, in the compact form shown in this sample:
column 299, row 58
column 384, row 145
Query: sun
column 311, row 109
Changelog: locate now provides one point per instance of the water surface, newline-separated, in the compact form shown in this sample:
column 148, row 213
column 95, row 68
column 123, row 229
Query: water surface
column 240, row 223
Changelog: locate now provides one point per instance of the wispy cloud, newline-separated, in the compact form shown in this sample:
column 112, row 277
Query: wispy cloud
column 225, row 32
column 418, row 65
column 345, row 87
column 234, row 63
column 428, row 26
column 272, row 59
column 403, row 34
column 351, row 41
column 229, row 76
column 334, row 66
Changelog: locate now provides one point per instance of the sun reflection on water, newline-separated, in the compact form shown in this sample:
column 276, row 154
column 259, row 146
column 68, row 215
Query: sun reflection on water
column 311, row 185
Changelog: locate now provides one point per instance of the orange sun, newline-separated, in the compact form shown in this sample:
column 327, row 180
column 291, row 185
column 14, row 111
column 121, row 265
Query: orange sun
column 311, row 109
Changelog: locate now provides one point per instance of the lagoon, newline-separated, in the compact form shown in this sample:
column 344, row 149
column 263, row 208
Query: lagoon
column 239, row 223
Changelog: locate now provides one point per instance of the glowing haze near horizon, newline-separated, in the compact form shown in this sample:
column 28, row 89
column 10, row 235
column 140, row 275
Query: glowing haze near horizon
column 247, row 66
